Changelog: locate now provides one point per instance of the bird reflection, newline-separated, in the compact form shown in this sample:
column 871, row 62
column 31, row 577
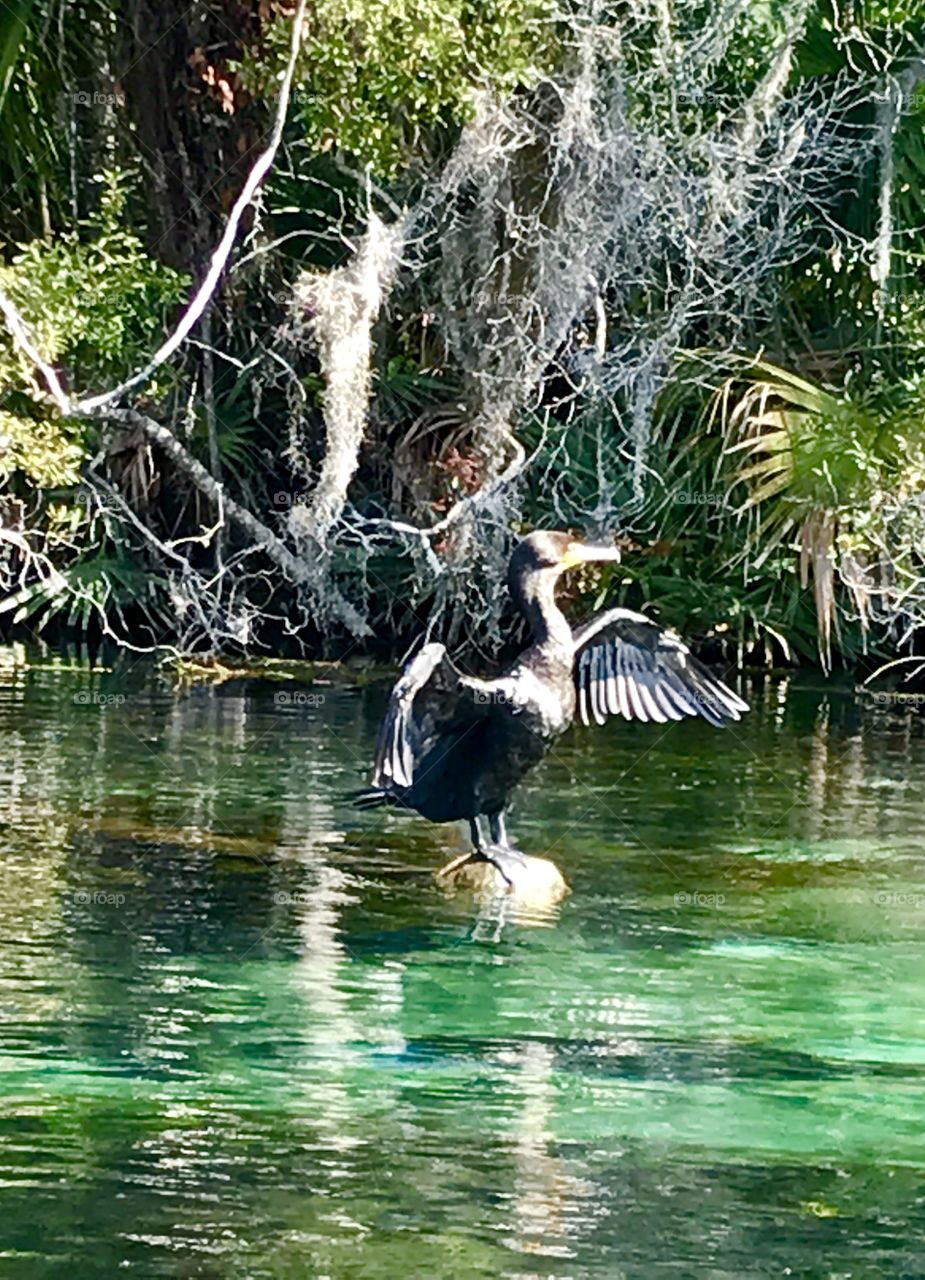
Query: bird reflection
column 498, row 909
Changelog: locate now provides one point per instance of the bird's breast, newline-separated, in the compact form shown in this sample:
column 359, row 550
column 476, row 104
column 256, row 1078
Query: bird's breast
column 542, row 698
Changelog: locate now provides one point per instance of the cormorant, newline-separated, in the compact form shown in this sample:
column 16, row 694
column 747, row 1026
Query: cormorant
column 452, row 746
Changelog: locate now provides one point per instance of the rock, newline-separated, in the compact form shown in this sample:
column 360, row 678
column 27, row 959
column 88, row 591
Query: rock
column 538, row 883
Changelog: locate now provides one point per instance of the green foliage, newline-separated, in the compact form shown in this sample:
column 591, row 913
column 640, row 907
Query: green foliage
column 48, row 454
column 822, row 473
column 45, row 125
column 102, row 582
column 235, row 429
column 376, row 74
column 94, row 302
column 93, row 297
column 796, row 469
column 802, row 444
column 14, row 26
column 404, row 390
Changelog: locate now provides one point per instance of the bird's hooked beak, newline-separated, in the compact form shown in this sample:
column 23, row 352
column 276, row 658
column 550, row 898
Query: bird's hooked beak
column 585, row 552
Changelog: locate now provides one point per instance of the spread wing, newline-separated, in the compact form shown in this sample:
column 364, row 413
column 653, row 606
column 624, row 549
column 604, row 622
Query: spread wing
column 627, row 665
column 430, row 697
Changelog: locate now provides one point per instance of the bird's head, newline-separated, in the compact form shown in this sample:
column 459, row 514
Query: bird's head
column 550, row 552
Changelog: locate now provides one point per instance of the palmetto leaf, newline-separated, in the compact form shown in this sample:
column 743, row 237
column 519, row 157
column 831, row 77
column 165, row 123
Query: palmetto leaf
column 803, row 452
column 14, row 25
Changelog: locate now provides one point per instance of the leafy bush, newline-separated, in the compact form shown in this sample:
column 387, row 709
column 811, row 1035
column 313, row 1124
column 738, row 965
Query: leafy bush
column 375, row 75
column 95, row 301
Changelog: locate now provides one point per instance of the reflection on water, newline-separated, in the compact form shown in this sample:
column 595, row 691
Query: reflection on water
column 546, row 1203
column 245, row 1033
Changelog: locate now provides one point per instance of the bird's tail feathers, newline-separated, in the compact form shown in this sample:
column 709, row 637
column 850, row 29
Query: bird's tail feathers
column 371, row 798
column 368, row 797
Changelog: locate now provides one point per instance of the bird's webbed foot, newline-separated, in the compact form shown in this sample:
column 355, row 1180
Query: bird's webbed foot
column 498, row 850
column 506, row 860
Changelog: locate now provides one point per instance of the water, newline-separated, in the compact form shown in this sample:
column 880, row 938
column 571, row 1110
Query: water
column 245, row 1034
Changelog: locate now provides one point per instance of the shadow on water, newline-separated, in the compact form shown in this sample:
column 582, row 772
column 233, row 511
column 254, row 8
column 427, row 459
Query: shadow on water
column 245, row 1033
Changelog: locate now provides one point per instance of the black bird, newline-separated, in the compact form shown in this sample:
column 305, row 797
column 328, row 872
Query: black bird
column 452, row 746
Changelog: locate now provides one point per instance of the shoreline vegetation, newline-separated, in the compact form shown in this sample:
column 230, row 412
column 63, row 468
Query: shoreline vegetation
column 294, row 677
column 320, row 307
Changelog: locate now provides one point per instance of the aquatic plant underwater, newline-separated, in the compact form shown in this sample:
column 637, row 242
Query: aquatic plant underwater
column 420, row 279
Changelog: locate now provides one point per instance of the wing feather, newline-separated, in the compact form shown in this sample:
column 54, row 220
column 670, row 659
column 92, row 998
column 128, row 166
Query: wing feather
column 612, row 705
column 626, row 664
column 632, row 689
column 429, row 695
column 647, row 694
column 597, row 686
column 623, row 705
column 584, row 679
column 663, row 697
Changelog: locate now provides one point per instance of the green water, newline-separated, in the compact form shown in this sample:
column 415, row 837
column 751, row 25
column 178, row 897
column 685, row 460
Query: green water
column 244, row 1034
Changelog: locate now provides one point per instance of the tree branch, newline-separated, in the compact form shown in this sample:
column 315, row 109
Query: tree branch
column 88, row 406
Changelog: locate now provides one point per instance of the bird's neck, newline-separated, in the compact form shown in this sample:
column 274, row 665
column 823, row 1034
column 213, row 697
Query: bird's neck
column 536, row 599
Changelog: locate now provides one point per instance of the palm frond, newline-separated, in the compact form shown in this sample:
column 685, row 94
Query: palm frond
column 14, row 26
